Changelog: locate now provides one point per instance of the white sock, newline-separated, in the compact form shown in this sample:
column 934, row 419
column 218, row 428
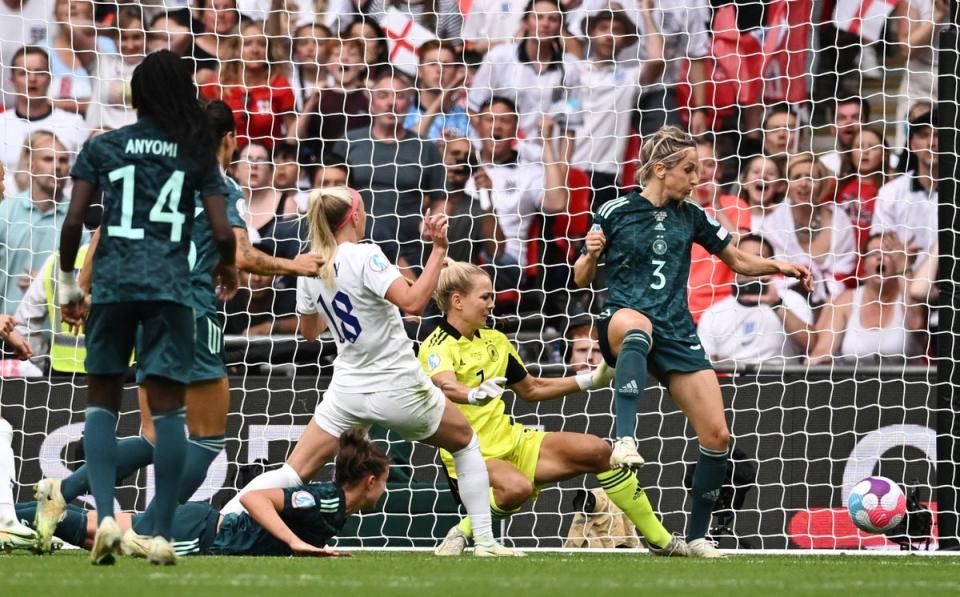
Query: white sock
column 280, row 478
column 474, row 485
column 8, row 515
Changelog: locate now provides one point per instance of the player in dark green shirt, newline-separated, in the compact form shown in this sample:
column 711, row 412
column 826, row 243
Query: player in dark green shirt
column 148, row 173
column 275, row 522
column 645, row 239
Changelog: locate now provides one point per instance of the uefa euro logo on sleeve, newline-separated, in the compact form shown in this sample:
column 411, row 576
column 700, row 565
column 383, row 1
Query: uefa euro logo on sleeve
column 302, row 500
column 433, row 361
column 378, row 263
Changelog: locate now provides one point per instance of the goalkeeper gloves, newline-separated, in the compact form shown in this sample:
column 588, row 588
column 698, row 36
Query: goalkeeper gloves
column 598, row 378
column 67, row 290
column 488, row 390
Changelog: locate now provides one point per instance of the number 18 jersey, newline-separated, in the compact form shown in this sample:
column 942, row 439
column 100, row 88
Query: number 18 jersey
column 373, row 350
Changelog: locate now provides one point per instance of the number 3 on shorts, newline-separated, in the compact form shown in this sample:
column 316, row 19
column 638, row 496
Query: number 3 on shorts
column 661, row 280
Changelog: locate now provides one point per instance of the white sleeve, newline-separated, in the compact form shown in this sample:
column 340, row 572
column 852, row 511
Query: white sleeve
column 883, row 218
column 378, row 273
column 306, row 302
column 844, row 245
column 796, row 304
column 697, row 26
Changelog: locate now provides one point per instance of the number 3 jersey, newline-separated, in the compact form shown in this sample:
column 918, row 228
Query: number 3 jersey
column 647, row 258
column 148, row 183
column 373, row 350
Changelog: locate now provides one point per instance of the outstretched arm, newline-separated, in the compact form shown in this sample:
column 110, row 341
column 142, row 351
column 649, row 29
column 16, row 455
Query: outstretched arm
column 265, row 506
column 252, row 260
column 753, row 265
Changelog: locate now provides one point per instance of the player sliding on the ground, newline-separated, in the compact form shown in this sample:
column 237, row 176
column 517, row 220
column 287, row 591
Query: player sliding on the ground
column 646, row 322
column 376, row 377
column 273, row 522
column 208, row 395
column 471, row 363
column 148, row 173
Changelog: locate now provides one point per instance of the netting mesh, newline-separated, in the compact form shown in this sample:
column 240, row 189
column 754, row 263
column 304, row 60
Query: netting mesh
column 816, row 131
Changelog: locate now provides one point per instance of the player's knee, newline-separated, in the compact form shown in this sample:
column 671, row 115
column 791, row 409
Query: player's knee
column 515, row 495
column 599, row 452
column 716, row 438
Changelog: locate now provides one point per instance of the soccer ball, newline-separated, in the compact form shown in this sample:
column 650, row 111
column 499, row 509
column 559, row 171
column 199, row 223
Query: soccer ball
column 876, row 505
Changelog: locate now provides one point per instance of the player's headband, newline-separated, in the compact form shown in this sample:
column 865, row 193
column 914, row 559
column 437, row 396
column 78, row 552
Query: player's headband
column 357, row 200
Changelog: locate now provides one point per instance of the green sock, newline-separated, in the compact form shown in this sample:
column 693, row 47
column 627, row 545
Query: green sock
column 630, row 380
column 168, row 460
column 133, row 453
column 496, row 514
column 708, row 478
column 100, row 448
column 623, row 489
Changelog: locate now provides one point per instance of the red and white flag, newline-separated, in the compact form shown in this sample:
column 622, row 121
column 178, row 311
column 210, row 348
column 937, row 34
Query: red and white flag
column 404, row 36
column 864, row 18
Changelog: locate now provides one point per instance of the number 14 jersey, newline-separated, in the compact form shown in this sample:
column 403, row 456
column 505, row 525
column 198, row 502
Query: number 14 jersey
column 647, row 258
column 373, row 350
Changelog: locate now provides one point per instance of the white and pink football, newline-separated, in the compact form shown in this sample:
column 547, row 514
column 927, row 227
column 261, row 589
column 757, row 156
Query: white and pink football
column 876, row 505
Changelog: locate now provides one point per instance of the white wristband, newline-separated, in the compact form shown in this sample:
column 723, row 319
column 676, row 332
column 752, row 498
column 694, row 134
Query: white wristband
column 585, row 380
column 67, row 289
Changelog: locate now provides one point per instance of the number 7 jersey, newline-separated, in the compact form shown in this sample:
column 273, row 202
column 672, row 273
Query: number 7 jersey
column 647, row 258
column 373, row 350
column 148, row 183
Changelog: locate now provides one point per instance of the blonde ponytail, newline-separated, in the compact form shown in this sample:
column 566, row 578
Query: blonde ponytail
column 666, row 146
column 327, row 205
column 455, row 277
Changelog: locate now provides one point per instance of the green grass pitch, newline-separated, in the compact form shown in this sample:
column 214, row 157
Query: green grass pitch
column 402, row 573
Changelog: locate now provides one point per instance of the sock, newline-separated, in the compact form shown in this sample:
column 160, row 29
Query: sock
column 496, row 515
column 168, row 467
column 73, row 527
column 623, row 489
column 282, row 477
column 630, row 380
column 133, row 453
column 7, row 475
column 201, row 452
column 100, row 446
column 474, row 483
column 708, row 478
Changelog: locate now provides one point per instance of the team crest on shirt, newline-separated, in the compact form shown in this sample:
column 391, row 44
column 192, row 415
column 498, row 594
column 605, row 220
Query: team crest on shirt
column 492, row 351
column 659, row 246
column 433, row 361
column 378, row 263
column 302, row 500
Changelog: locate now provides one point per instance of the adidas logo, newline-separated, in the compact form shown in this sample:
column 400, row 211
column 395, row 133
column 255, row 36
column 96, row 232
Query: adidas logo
column 659, row 227
column 630, row 387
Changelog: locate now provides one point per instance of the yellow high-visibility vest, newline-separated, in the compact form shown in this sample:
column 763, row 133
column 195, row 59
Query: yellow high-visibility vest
column 67, row 350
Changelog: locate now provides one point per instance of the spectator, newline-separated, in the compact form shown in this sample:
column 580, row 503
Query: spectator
column 33, row 111
column 171, row 31
column 110, row 103
column 326, row 176
column 266, row 206
column 865, row 171
column 313, row 47
column 849, row 115
column 608, row 97
column 71, row 81
column 907, row 205
column 261, row 307
column 440, row 17
column 781, row 136
column 536, row 75
column 583, row 347
column 215, row 38
column 474, row 233
column 520, row 191
column 22, row 23
column 918, row 24
column 441, row 103
column 30, row 221
column 710, row 279
column 344, row 105
column 759, row 320
column 493, row 22
column 376, row 53
column 395, row 171
column 808, row 230
column 762, row 187
column 877, row 319
column 256, row 90
column 286, row 177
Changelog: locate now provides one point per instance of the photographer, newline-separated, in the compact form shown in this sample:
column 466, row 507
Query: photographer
column 761, row 320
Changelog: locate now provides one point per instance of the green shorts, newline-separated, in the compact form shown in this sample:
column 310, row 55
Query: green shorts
column 168, row 339
column 194, row 528
column 665, row 356
column 208, row 359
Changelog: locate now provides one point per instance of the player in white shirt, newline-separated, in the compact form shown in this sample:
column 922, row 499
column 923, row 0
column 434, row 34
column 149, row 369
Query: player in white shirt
column 376, row 377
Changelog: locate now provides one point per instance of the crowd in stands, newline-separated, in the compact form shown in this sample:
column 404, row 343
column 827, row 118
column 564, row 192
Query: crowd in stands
column 517, row 119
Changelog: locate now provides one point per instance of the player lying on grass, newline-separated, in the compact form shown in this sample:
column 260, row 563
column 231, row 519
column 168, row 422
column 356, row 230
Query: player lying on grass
column 208, row 392
column 470, row 363
column 273, row 522
column 376, row 377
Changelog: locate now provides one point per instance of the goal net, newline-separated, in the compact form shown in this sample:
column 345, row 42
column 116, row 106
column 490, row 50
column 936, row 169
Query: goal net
column 817, row 125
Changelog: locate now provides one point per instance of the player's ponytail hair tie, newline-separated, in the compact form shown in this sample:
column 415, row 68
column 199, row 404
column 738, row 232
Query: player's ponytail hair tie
column 356, row 200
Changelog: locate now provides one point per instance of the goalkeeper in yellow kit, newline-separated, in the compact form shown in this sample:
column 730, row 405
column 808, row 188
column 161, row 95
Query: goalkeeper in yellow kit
column 471, row 362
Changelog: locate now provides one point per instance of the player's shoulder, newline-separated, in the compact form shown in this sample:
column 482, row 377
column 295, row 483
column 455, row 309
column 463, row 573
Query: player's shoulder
column 439, row 337
column 620, row 204
column 318, row 495
column 492, row 336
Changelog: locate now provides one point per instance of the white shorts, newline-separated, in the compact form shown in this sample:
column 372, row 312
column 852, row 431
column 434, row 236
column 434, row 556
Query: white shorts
column 414, row 413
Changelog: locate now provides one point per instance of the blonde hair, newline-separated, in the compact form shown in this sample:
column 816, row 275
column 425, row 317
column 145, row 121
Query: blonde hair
column 328, row 208
column 22, row 175
column 817, row 170
column 456, row 277
column 232, row 65
column 667, row 146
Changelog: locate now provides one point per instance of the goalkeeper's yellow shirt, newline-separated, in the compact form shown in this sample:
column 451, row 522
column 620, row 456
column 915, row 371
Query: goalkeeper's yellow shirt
column 489, row 354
